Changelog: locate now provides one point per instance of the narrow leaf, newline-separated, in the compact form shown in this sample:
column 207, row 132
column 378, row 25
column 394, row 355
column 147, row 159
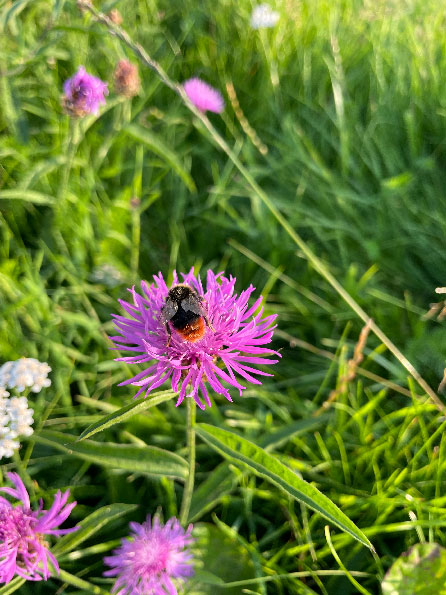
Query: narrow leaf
column 91, row 525
column 239, row 449
column 155, row 144
column 11, row 587
column 32, row 196
column 86, row 587
column 149, row 460
column 274, row 439
column 125, row 413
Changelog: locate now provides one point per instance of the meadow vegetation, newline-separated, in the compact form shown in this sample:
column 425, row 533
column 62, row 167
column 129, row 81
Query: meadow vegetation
column 338, row 113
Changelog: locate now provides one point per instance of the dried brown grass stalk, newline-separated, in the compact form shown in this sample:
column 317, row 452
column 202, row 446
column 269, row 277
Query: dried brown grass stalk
column 246, row 126
column 352, row 366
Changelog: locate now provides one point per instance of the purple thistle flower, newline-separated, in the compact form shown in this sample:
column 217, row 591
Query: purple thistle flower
column 23, row 549
column 154, row 555
column 233, row 339
column 203, row 96
column 83, row 93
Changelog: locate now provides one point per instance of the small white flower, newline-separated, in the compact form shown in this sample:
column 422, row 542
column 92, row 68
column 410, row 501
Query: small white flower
column 16, row 420
column 7, row 447
column 20, row 416
column 26, row 372
column 264, row 16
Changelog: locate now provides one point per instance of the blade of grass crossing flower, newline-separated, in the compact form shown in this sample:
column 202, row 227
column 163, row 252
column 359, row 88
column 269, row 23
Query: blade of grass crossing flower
column 239, row 449
column 125, row 413
column 91, row 525
column 86, row 587
column 12, row 587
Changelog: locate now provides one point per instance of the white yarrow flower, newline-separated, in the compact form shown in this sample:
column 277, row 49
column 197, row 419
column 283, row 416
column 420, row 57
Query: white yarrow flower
column 20, row 417
column 16, row 420
column 23, row 373
column 264, row 16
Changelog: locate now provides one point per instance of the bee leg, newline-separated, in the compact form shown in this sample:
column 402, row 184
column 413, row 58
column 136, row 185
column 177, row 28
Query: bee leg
column 169, row 334
column 208, row 323
column 206, row 319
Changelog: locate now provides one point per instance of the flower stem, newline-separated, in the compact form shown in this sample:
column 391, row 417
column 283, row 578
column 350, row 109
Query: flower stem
column 189, row 486
column 61, row 207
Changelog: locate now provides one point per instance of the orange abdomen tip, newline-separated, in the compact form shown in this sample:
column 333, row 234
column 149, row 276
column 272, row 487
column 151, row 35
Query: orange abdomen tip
column 193, row 331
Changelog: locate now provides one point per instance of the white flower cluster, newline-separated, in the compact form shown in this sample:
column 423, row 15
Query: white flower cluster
column 26, row 372
column 16, row 420
column 264, row 16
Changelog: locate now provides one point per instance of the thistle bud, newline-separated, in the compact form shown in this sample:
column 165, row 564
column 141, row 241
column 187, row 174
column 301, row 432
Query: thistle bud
column 115, row 16
column 126, row 79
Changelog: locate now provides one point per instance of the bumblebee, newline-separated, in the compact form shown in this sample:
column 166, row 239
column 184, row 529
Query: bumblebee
column 184, row 310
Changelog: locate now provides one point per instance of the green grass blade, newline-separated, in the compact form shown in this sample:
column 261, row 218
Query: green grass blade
column 239, row 449
column 12, row 587
column 155, row 144
column 86, row 587
column 91, row 525
column 37, row 198
column 125, row 413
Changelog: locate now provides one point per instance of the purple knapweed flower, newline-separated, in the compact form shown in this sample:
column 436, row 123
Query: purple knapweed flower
column 23, row 549
column 83, row 93
column 153, row 557
column 203, row 96
column 233, row 337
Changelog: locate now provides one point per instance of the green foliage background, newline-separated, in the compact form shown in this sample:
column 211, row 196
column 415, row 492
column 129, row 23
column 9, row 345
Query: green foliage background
column 349, row 97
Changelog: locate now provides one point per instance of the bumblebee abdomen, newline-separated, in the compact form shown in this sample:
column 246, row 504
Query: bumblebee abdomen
column 193, row 330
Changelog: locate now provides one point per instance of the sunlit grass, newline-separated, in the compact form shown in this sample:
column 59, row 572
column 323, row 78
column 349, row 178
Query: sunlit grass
column 348, row 100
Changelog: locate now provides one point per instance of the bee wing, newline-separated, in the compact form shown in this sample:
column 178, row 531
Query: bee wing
column 169, row 310
column 191, row 304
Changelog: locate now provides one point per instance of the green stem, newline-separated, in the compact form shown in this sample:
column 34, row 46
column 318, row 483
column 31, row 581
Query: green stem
column 73, row 141
column 136, row 240
column 189, row 486
column 60, row 207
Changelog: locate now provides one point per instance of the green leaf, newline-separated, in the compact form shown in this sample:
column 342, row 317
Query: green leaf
column 11, row 587
column 86, row 587
column 239, row 449
column 125, row 413
column 91, row 525
column 274, row 439
column 155, row 144
column 37, row 198
column 149, row 460
column 419, row 571
column 219, row 483
column 14, row 11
